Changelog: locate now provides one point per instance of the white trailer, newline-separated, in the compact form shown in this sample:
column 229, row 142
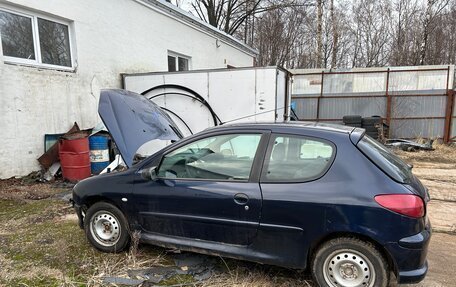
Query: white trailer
column 196, row 100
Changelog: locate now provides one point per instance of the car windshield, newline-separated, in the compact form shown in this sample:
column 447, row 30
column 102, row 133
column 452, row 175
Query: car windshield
column 386, row 160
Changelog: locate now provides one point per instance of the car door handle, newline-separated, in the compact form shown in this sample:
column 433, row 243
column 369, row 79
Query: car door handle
column 241, row 198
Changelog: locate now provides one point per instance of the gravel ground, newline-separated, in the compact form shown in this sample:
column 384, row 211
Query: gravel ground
column 442, row 261
column 437, row 171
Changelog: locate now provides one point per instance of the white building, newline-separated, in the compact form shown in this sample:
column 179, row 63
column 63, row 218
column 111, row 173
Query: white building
column 57, row 55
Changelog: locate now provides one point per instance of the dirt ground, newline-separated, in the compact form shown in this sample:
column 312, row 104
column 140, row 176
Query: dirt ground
column 437, row 171
column 41, row 244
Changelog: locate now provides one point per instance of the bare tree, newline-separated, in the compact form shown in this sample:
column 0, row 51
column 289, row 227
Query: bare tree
column 277, row 36
column 229, row 15
column 372, row 30
column 319, row 32
column 406, row 32
column 335, row 35
column 338, row 33
column 449, row 27
column 433, row 9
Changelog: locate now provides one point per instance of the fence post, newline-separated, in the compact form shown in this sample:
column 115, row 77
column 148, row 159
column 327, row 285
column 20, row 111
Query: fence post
column 448, row 116
column 321, row 94
column 448, row 110
column 388, row 103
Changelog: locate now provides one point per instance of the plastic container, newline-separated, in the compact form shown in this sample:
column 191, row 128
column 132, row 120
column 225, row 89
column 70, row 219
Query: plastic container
column 99, row 153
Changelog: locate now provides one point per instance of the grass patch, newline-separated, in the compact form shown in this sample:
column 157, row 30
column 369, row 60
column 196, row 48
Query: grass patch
column 43, row 237
column 36, row 282
column 13, row 209
column 41, row 244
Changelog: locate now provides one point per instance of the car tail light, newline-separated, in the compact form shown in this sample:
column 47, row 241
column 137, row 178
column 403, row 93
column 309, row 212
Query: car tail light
column 405, row 204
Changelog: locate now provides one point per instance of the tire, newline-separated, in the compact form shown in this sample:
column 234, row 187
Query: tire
column 371, row 129
column 371, row 121
column 106, row 228
column 352, row 120
column 359, row 261
column 372, row 132
column 373, row 135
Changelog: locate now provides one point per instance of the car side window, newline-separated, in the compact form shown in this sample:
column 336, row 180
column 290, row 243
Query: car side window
column 222, row 157
column 297, row 159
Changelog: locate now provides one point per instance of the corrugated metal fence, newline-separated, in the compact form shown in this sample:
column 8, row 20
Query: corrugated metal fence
column 414, row 101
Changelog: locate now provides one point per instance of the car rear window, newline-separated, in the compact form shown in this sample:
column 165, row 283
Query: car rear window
column 385, row 159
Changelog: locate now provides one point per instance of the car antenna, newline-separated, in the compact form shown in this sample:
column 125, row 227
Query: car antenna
column 255, row 114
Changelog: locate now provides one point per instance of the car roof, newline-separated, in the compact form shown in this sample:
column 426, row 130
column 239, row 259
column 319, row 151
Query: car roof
column 299, row 125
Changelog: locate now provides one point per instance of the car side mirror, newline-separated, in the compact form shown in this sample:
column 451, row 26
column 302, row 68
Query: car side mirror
column 150, row 173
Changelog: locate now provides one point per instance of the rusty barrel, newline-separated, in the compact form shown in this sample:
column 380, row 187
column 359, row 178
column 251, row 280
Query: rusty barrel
column 74, row 157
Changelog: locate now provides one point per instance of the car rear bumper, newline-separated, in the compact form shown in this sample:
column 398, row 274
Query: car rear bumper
column 413, row 276
column 409, row 255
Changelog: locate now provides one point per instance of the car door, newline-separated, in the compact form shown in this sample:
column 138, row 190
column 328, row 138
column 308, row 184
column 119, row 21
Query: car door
column 207, row 189
column 293, row 186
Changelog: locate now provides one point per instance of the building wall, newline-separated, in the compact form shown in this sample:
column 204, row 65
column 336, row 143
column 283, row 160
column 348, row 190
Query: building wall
column 110, row 38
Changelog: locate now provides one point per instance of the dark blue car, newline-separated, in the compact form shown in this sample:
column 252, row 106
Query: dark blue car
column 298, row 195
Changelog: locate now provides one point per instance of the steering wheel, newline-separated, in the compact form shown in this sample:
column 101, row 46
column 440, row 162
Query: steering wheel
column 188, row 169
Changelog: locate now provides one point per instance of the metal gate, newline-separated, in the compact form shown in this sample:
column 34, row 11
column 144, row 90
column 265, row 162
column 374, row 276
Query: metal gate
column 413, row 101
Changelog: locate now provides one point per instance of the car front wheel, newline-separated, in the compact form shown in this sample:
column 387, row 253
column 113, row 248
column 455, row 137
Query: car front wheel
column 106, row 227
column 349, row 262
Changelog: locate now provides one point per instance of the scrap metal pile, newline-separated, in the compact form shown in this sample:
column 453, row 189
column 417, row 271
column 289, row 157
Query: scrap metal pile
column 77, row 154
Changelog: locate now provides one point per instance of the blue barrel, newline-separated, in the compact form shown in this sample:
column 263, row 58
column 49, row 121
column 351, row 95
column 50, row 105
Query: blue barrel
column 99, row 153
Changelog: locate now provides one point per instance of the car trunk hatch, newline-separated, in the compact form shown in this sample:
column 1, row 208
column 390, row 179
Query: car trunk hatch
column 392, row 165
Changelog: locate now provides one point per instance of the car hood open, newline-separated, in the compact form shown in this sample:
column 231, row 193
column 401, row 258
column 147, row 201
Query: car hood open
column 132, row 120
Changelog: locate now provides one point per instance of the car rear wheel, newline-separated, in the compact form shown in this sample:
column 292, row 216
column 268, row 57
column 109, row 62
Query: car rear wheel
column 349, row 262
column 106, row 227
